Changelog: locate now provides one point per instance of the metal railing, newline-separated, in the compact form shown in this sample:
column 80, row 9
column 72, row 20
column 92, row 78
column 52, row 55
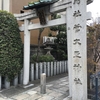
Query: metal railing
column 95, row 94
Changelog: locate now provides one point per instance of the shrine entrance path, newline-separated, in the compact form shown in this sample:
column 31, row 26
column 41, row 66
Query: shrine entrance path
column 57, row 88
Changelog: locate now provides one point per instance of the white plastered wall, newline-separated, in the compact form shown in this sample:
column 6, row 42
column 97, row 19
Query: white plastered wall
column 5, row 5
column 0, row 4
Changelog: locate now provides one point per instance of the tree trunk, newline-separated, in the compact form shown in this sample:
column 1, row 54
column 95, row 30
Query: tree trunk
column 39, row 37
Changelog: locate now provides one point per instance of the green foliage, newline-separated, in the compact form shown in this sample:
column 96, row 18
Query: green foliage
column 11, row 61
column 61, row 40
column 61, row 55
column 57, row 28
column 60, row 28
column 42, row 58
column 61, row 46
column 50, row 34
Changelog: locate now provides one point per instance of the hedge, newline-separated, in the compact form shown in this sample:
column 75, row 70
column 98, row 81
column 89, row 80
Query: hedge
column 11, row 55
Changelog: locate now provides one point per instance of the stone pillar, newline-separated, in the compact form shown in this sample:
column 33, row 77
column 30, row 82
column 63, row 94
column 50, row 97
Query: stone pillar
column 26, row 53
column 45, row 68
column 63, row 66
column 48, row 65
column 21, row 77
column 0, row 82
column 43, row 83
column 60, row 67
column 79, row 50
column 37, row 71
column 32, row 72
column 51, row 68
column 15, row 80
column 55, row 68
column 41, row 68
column 6, row 83
column 69, row 47
column 65, row 63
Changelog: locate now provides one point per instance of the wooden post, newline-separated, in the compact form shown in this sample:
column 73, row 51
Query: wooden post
column 26, row 53
column 43, row 83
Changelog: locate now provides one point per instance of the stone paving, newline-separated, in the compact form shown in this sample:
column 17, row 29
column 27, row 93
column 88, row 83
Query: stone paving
column 55, row 90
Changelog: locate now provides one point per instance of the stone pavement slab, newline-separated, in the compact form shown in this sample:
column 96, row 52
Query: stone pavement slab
column 47, row 97
column 32, row 92
column 55, row 90
column 1, row 98
column 55, row 94
column 33, row 97
column 21, row 97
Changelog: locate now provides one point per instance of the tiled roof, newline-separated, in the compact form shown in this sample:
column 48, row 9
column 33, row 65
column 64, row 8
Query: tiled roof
column 39, row 4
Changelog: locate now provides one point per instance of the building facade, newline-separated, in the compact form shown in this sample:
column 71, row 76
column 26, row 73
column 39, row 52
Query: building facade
column 15, row 6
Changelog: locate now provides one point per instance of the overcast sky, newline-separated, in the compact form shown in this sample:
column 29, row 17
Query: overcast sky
column 94, row 8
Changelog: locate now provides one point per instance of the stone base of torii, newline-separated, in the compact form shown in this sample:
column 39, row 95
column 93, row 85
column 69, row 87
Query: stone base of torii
column 75, row 20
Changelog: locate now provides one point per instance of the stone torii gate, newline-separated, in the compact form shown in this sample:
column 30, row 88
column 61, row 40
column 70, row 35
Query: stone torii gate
column 75, row 20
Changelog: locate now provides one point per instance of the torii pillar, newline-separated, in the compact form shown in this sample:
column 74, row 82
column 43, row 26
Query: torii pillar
column 26, row 53
column 77, row 49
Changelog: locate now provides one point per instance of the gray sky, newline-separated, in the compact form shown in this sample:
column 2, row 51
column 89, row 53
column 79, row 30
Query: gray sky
column 94, row 8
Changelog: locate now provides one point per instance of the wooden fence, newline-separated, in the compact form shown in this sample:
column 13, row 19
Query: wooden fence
column 50, row 68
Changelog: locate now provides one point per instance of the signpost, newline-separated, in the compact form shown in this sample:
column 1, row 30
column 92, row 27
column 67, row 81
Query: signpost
column 79, row 50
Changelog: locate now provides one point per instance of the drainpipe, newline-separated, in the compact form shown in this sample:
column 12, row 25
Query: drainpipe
column 1, row 4
column 96, row 89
